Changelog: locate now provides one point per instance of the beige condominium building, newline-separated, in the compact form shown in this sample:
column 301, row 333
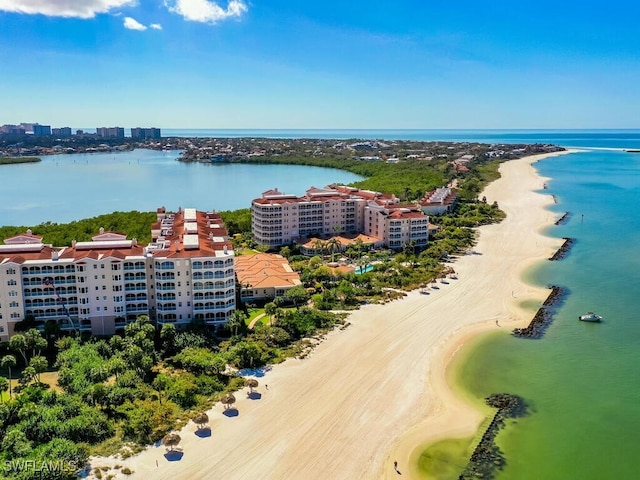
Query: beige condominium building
column 99, row 286
column 279, row 219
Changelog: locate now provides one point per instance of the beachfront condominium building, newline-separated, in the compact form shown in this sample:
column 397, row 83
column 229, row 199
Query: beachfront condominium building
column 439, row 201
column 110, row 132
column 145, row 133
column 279, row 219
column 100, row 286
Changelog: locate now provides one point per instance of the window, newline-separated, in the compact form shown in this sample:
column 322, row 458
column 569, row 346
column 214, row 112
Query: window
column 14, row 305
column 95, row 266
column 11, row 271
column 13, row 293
column 102, row 266
column 104, row 298
column 95, row 277
column 15, row 315
column 98, row 309
column 97, row 287
column 12, row 283
column 98, row 298
column 104, row 287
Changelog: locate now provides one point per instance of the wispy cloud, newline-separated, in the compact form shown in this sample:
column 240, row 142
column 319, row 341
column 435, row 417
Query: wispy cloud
column 133, row 24
column 63, row 8
column 206, row 11
column 155, row 26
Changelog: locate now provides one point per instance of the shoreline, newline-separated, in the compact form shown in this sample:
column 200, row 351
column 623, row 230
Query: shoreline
column 452, row 415
column 363, row 398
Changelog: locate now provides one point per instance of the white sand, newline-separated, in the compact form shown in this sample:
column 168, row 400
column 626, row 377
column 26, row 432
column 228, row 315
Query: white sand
column 373, row 393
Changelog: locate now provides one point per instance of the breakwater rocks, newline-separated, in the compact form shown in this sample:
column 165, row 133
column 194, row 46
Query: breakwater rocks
column 487, row 458
column 563, row 219
column 563, row 250
column 543, row 316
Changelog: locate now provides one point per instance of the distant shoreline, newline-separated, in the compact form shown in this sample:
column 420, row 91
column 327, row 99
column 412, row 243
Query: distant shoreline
column 12, row 160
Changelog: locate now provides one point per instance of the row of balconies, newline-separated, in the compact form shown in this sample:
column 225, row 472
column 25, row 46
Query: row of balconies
column 214, row 296
column 213, row 285
column 259, row 228
column 128, row 268
column 48, row 270
column 208, row 264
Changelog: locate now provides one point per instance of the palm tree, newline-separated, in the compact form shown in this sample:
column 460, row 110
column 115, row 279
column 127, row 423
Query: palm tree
column 318, row 246
column 333, row 246
column 4, row 385
column 270, row 309
column 228, row 400
column 201, row 419
column 251, row 383
column 171, row 440
column 8, row 362
column 237, row 319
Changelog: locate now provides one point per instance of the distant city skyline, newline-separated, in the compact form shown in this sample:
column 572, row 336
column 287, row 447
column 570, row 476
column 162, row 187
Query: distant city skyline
column 187, row 64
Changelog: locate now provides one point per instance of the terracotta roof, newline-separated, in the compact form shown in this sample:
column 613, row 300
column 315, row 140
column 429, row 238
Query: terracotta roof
column 208, row 225
column 265, row 270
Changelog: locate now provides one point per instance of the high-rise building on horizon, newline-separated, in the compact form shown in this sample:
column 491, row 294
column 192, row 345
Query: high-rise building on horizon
column 110, row 132
column 61, row 132
column 146, row 133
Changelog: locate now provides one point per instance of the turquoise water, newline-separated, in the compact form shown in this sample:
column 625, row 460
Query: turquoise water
column 62, row 188
column 581, row 379
column 361, row 270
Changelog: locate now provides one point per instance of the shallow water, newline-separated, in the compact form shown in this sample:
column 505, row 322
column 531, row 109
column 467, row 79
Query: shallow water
column 581, row 380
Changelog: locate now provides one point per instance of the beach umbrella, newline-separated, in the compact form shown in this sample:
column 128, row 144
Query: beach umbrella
column 251, row 383
column 201, row 419
column 228, row 400
column 171, row 440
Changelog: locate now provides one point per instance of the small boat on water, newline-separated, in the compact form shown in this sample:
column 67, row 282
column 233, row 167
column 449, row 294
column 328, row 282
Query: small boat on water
column 590, row 317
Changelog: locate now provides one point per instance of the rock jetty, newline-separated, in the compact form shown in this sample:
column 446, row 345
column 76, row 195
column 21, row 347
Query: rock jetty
column 487, row 458
column 564, row 249
column 543, row 317
column 563, row 219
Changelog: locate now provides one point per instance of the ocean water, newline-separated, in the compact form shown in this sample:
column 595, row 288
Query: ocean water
column 581, row 380
column 626, row 138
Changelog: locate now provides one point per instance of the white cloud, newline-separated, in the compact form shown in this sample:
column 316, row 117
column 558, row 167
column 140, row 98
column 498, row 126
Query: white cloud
column 133, row 24
column 63, row 8
column 205, row 11
column 155, row 26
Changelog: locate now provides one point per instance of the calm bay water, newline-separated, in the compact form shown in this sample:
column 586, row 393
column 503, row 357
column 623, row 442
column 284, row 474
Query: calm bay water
column 63, row 188
column 581, row 380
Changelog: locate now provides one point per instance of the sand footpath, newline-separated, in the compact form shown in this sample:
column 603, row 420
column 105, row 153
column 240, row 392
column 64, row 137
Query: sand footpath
column 371, row 394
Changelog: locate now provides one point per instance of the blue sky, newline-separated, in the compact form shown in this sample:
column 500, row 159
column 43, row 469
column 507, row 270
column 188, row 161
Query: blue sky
column 311, row 64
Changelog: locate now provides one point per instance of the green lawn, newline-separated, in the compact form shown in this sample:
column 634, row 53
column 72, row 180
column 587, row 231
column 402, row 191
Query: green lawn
column 253, row 313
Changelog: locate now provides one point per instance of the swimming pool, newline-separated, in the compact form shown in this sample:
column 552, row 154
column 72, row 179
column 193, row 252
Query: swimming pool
column 361, row 270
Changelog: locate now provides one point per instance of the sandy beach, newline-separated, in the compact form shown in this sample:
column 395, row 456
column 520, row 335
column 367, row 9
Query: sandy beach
column 371, row 394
